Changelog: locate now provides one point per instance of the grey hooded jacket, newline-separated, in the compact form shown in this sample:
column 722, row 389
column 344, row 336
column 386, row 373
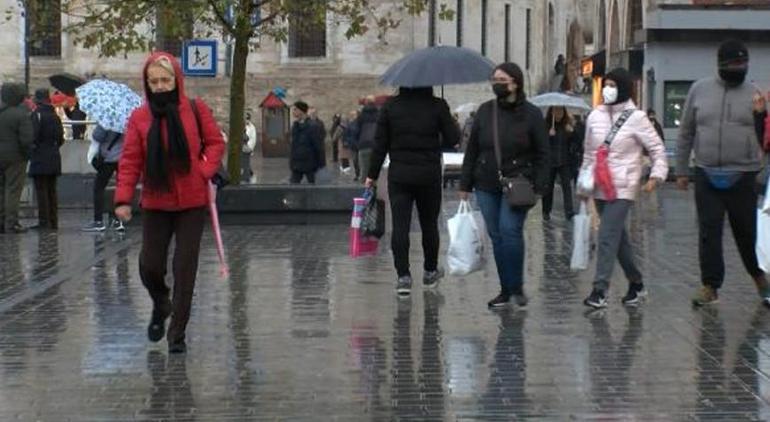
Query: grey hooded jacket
column 719, row 125
column 16, row 135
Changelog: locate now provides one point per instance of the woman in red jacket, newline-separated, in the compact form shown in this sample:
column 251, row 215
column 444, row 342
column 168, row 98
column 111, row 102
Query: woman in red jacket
column 165, row 151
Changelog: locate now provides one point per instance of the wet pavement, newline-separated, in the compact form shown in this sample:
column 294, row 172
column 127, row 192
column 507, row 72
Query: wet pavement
column 302, row 332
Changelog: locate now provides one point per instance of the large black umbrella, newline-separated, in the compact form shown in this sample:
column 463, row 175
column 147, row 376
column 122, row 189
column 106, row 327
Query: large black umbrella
column 66, row 82
column 441, row 65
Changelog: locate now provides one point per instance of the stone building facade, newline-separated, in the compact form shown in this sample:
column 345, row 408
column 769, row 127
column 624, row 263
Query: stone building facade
column 335, row 72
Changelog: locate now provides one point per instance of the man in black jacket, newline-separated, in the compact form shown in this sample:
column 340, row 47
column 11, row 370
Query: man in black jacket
column 367, row 128
column 411, row 128
column 15, row 146
column 45, row 165
column 305, row 158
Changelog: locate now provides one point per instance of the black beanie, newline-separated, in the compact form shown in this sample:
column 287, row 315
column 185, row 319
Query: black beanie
column 42, row 96
column 732, row 50
column 625, row 84
column 302, row 106
column 514, row 71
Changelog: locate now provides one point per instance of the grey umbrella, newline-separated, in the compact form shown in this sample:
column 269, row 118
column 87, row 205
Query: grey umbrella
column 441, row 65
column 558, row 99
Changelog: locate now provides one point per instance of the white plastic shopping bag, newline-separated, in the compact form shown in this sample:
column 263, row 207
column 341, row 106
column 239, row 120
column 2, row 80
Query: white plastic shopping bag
column 466, row 250
column 93, row 149
column 585, row 181
column 763, row 240
column 581, row 238
column 765, row 206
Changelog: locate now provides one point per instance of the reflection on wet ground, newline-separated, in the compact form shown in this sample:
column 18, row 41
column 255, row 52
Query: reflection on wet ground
column 301, row 331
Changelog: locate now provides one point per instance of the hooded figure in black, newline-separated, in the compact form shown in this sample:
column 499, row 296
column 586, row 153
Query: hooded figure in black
column 15, row 147
column 45, row 165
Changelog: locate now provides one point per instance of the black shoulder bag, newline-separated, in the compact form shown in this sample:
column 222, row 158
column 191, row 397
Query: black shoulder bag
column 518, row 190
column 220, row 179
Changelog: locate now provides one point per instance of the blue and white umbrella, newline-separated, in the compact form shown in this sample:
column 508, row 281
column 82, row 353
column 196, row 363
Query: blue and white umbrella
column 558, row 99
column 108, row 103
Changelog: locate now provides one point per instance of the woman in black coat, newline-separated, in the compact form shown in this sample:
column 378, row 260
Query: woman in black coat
column 45, row 164
column 412, row 128
column 524, row 152
column 561, row 137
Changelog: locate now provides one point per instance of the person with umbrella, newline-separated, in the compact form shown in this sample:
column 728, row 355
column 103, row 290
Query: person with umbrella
column 561, row 135
column 174, row 160
column 522, row 141
column 412, row 128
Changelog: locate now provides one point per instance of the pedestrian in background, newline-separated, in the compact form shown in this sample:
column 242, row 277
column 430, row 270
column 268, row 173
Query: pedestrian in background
column 724, row 176
column 561, row 135
column 411, row 128
column 306, row 149
column 576, row 147
column 624, row 162
column 175, row 162
column 45, row 163
column 16, row 139
column 336, row 122
column 350, row 141
column 106, row 164
column 367, row 127
column 523, row 141
column 251, row 146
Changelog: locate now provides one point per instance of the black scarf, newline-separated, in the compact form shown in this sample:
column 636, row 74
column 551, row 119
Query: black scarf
column 159, row 160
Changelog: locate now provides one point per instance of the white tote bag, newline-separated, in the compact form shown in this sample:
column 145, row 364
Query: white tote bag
column 765, row 205
column 763, row 240
column 581, row 238
column 466, row 250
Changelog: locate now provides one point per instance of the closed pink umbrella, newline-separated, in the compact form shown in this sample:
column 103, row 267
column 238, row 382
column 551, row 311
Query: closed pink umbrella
column 224, row 271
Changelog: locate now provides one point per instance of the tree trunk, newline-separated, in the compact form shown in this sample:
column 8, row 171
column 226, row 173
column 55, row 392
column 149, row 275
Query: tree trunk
column 237, row 108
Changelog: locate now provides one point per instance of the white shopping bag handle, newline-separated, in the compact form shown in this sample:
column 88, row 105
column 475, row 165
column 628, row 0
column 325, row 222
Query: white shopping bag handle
column 464, row 207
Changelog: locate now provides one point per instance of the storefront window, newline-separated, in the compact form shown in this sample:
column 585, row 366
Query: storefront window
column 674, row 96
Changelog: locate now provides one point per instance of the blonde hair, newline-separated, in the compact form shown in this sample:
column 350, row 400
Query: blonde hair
column 165, row 64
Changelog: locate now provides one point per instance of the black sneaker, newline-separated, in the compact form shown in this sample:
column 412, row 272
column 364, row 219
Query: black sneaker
column 636, row 293
column 118, row 226
column 157, row 328
column 596, row 300
column 501, row 300
column 431, row 278
column 404, row 285
column 546, row 217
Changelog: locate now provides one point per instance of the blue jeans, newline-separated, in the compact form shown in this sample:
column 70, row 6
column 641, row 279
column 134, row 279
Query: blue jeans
column 505, row 227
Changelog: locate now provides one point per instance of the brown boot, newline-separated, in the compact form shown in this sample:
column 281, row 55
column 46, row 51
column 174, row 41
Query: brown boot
column 706, row 295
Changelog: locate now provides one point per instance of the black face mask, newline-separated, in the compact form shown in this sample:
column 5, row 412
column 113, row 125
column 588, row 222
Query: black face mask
column 501, row 90
column 733, row 77
column 162, row 99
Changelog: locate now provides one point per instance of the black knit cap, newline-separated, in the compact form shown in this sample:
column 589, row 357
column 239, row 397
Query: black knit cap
column 625, row 84
column 514, row 71
column 302, row 106
column 731, row 51
column 42, row 96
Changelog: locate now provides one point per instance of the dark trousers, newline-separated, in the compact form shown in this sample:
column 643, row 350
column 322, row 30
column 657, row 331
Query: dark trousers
column 296, row 177
column 47, row 203
column 428, row 200
column 103, row 176
column 356, row 164
column 740, row 204
column 335, row 151
column 12, row 177
column 157, row 229
column 565, row 176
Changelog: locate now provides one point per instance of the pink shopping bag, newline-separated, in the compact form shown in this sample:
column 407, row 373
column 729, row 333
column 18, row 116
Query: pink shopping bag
column 360, row 245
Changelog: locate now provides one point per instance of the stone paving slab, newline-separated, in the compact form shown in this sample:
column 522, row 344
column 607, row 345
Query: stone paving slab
column 302, row 332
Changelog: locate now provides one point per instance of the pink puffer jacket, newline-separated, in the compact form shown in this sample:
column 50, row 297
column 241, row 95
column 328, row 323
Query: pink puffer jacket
column 626, row 151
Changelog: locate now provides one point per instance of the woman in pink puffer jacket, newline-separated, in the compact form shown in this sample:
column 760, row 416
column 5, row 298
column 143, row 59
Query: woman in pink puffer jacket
column 625, row 166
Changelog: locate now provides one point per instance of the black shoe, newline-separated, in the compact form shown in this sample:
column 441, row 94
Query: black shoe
column 546, row 217
column 501, row 300
column 177, row 347
column 157, row 328
column 636, row 293
column 431, row 278
column 596, row 300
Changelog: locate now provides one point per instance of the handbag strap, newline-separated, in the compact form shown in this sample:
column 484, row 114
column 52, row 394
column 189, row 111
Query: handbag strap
column 496, row 141
column 618, row 124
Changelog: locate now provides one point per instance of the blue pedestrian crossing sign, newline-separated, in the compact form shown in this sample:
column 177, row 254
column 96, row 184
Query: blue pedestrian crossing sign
column 199, row 58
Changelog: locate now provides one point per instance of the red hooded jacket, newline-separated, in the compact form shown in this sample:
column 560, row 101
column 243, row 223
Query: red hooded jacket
column 186, row 190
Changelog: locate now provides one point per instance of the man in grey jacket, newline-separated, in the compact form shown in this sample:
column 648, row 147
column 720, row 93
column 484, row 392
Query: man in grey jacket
column 16, row 139
column 722, row 124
